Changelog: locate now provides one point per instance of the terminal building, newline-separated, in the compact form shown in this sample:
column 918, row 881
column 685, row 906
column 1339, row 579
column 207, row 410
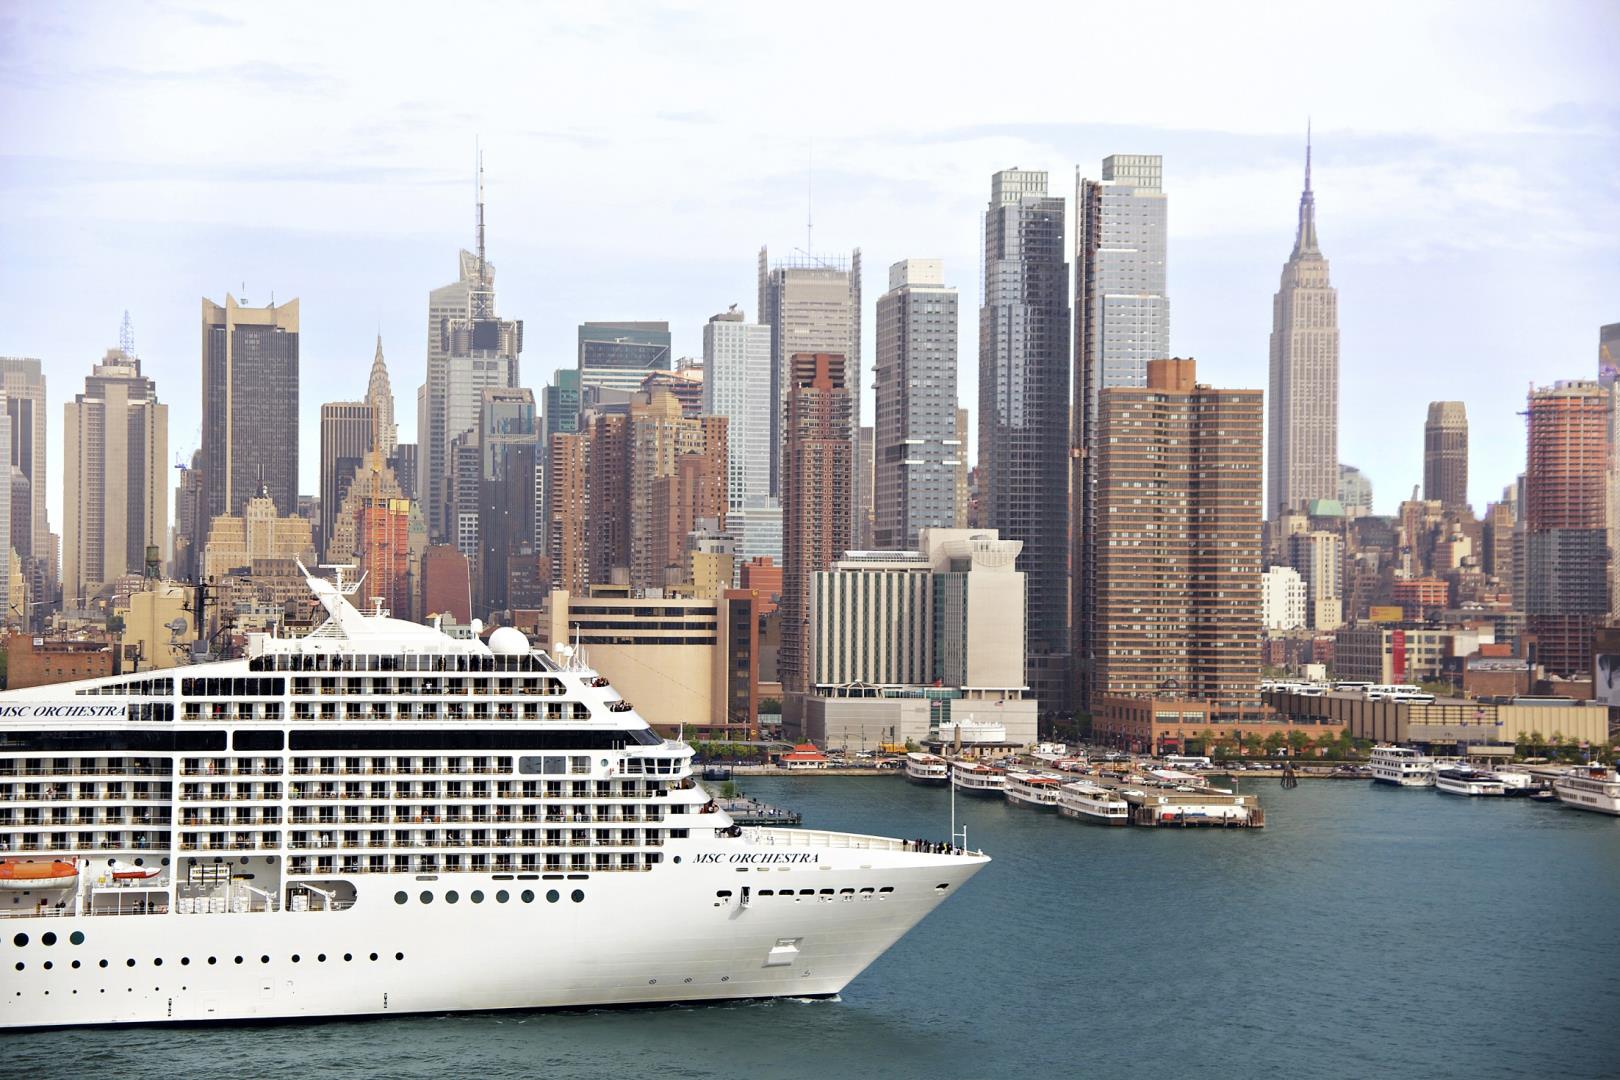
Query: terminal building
column 903, row 643
column 1451, row 725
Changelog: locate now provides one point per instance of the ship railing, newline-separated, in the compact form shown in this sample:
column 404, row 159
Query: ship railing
column 774, row 837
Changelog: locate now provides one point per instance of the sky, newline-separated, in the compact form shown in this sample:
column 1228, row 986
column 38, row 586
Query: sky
column 637, row 156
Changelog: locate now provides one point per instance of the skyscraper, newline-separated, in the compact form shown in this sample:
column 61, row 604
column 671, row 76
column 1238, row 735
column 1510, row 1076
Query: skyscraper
column 249, row 406
column 566, row 512
column 115, row 498
column 1303, row 451
column 737, row 385
column 470, row 349
column 619, row 355
column 1608, row 353
column 348, row 429
column 509, row 446
column 812, row 305
column 1176, row 606
column 22, row 384
column 917, row 453
column 1024, row 409
column 1445, row 454
column 1565, row 520
column 1355, row 491
column 817, row 472
column 380, row 396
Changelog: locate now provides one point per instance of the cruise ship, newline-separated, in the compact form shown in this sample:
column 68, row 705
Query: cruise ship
column 1401, row 766
column 379, row 819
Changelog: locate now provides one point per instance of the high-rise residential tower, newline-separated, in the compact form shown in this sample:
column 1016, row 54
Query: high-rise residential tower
column 1024, row 409
column 737, row 385
column 22, row 384
column 470, row 349
column 917, row 452
column 619, row 355
column 115, row 498
column 249, row 406
column 1566, row 590
column 1303, row 429
column 508, row 549
column 1445, row 454
column 1177, row 606
column 816, row 475
column 812, row 303
column 1121, row 321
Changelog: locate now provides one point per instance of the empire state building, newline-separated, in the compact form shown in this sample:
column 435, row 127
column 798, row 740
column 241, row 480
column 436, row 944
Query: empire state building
column 1303, row 423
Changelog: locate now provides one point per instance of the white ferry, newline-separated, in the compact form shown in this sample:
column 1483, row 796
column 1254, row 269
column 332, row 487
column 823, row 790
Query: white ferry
column 976, row 778
column 1592, row 788
column 1463, row 780
column 381, row 819
column 1401, row 766
column 927, row 769
column 1092, row 802
column 1032, row 789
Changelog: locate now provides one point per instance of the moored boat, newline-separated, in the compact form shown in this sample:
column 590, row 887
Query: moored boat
column 974, row 778
column 1032, row 789
column 1463, row 780
column 1590, row 787
column 1090, row 801
column 1401, row 766
column 927, row 769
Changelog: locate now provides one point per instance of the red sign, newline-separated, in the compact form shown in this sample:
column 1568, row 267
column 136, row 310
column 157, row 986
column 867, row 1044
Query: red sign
column 1397, row 663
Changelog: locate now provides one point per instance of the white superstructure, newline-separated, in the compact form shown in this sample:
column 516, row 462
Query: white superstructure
column 1401, row 766
column 927, row 769
column 1093, row 802
column 379, row 819
column 976, row 778
column 1032, row 789
column 1464, row 780
column 1589, row 788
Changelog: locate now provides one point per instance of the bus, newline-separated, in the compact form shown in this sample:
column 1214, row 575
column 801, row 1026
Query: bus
column 1186, row 761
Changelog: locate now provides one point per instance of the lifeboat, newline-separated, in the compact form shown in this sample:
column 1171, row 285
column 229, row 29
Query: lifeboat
column 37, row 875
column 126, row 872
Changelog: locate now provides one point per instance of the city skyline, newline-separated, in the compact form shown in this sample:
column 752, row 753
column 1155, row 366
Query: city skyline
column 1505, row 168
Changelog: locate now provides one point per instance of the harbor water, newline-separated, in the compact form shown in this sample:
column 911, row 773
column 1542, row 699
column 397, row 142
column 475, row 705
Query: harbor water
column 1363, row 932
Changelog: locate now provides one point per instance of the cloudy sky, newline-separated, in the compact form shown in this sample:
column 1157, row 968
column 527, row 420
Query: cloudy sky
column 637, row 156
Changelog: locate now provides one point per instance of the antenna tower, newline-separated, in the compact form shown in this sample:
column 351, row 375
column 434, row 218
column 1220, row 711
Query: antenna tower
column 126, row 336
column 481, row 304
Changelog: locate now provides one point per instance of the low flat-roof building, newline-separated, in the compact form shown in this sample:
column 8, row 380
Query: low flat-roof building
column 1451, row 723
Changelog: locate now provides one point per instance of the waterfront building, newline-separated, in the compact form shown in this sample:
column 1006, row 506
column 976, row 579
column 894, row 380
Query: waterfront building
column 1404, row 652
column 619, row 355
column 812, row 303
column 816, row 495
column 1303, row 429
column 1566, row 516
column 1355, row 492
column 470, row 349
column 737, row 385
column 1445, row 454
column 348, row 433
column 249, row 406
column 917, row 456
column 22, row 385
column 115, row 493
column 1176, row 605
column 1282, row 599
column 1024, row 409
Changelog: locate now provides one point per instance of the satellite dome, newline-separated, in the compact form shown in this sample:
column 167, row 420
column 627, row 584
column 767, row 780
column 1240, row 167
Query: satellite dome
column 508, row 641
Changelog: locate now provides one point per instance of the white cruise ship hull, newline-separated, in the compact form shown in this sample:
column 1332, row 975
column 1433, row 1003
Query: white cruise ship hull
column 616, row 946
column 1598, row 799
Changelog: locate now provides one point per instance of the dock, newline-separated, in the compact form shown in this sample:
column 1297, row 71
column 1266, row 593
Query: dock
column 1206, row 807
column 746, row 811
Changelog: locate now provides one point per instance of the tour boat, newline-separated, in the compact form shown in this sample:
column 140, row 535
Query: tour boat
column 1090, row 801
column 1462, row 780
column 1589, row 787
column 974, row 778
column 380, row 818
column 1401, row 766
column 1032, row 789
column 928, row 769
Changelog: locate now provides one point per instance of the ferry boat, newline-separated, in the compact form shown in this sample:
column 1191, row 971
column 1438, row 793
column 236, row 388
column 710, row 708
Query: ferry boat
column 975, row 778
column 1401, row 766
column 379, row 818
column 927, row 769
column 1593, row 788
column 1463, row 780
column 1090, row 801
column 1032, row 789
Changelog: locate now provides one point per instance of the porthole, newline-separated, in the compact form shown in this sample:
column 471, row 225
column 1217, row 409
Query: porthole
column 373, row 957
column 130, row 962
column 451, row 897
column 426, row 897
column 677, row 858
column 577, row 896
column 211, row 960
column 264, row 959
column 321, row 959
column 47, row 938
column 75, row 965
column 477, row 897
column 157, row 961
column 347, row 957
column 295, row 958
column 20, row 965
column 399, row 956
column 238, row 959
column 47, row 965
column 528, row 896
column 20, row 940
column 77, row 937
column 502, row 896
column 552, row 896
column 400, row 898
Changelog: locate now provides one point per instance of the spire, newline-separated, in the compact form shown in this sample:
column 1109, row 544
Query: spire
column 1305, row 238
column 380, row 396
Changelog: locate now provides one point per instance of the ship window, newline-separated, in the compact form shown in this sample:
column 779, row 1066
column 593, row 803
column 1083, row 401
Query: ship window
column 528, row 896
column 426, row 897
column 400, row 898
column 477, row 897
column 577, row 896
column 502, row 896
column 47, row 938
column 767, row 892
column 77, row 937
column 552, row 896
column 886, row 889
column 451, row 897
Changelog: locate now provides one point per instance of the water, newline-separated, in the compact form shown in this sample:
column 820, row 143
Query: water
column 1364, row 932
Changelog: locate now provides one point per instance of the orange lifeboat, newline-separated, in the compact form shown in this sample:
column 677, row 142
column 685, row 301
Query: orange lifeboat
column 37, row 875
